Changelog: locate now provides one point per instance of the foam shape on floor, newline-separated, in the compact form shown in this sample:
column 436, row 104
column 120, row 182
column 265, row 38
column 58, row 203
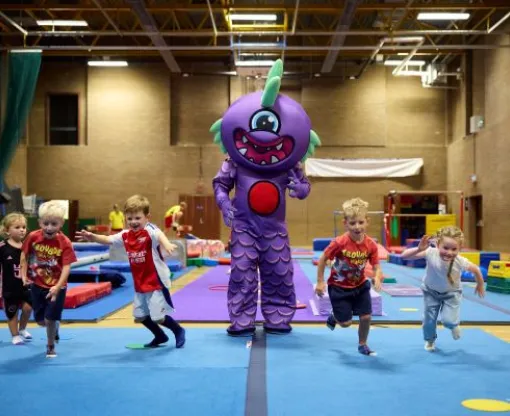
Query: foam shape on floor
column 319, row 244
column 90, row 247
column 86, row 293
column 123, row 266
column 402, row 290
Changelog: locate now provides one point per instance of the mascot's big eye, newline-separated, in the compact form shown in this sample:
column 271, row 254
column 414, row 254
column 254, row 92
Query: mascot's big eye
column 265, row 120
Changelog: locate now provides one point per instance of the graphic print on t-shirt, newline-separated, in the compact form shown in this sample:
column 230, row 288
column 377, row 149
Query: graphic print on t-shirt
column 350, row 266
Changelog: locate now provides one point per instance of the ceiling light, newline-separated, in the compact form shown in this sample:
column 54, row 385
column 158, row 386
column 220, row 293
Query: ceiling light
column 62, row 23
column 107, row 63
column 249, row 17
column 258, row 45
column 443, row 16
column 391, row 62
column 254, row 63
column 25, row 51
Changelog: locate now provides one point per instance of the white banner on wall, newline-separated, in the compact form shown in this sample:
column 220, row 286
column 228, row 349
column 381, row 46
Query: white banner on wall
column 363, row 168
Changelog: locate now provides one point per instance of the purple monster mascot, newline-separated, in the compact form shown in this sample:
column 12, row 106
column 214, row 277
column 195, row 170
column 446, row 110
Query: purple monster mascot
column 266, row 136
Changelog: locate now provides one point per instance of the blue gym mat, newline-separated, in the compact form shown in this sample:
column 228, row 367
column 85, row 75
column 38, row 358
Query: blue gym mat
column 95, row 374
column 318, row 372
column 493, row 309
column 310, row 371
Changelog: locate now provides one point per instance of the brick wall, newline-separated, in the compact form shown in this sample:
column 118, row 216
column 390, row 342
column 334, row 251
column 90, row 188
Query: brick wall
column 486, row 153
column 143, row 127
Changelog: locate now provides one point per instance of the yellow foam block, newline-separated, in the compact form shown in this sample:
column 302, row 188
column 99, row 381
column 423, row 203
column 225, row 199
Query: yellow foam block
column 499, row 269
column 434, row 222
column 473, row 257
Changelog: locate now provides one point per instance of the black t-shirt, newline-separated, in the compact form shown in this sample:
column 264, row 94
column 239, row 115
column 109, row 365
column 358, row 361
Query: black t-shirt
column 12, row 285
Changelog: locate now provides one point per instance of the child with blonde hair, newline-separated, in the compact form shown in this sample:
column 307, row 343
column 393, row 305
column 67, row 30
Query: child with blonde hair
column 142, row 242
column 14, row 294
column 442, row 287
column 348, row 286
column 46, row 263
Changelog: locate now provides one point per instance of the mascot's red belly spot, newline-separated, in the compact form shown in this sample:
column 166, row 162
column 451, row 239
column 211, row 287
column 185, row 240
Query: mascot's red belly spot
column 263, row 198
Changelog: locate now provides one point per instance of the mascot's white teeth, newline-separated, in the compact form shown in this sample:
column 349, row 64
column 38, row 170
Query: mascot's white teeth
column 245, row 140
column 279, row 147
column 243, row 151
column 274, row 159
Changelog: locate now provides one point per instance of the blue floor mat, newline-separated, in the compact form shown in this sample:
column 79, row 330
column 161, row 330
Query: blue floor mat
column 94, row 374
column 318, row 372
column 494, row 308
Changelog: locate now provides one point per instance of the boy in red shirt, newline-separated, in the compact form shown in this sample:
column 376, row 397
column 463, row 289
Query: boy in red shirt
column 348, row 287
column 45, row 261
column 143, row 242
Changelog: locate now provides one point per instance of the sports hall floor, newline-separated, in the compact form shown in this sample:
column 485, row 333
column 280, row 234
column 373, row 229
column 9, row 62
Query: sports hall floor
column 311, row 371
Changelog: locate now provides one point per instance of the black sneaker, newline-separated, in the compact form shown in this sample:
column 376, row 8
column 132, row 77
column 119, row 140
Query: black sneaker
column 156, row 342
column 180, row 338
column 50, row 351
column 331, row 322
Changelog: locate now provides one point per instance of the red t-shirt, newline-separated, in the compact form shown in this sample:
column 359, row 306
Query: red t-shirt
column 46, row 258
column 148, row 268
column 350, row 259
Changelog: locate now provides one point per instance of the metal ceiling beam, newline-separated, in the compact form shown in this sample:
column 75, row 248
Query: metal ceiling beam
column 304, row 8
column 149, row 24
column 208, row 32
column 12, row 23
column 343, row 25
column 107, row 16
column 394, row 48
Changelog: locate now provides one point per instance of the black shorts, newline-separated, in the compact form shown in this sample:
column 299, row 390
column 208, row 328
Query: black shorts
column 45, row 308
column 349, row 302
column 14, row 301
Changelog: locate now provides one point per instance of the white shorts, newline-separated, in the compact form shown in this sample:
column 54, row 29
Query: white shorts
column 153, row 304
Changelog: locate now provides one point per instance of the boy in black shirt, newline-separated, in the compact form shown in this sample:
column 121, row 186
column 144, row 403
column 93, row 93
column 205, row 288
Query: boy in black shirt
column 14, row 294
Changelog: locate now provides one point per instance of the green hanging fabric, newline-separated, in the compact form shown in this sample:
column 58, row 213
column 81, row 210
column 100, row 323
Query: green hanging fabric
column 394, row 227
column 22, row 80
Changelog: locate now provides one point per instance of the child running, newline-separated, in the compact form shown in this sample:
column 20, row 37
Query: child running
column 442, row 288
column 14, row 294
column 142, row 242
column 348, row 286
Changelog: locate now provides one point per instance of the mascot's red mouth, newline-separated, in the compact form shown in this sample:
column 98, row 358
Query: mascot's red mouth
column 263, row 153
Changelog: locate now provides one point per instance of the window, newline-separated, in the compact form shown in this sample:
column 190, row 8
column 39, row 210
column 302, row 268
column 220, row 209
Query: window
column 62, row 113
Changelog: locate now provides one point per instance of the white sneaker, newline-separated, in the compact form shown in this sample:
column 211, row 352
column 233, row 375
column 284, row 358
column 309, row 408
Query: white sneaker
column 25, row 334
column 430, row 346
column 456, row 332
column 17, row 340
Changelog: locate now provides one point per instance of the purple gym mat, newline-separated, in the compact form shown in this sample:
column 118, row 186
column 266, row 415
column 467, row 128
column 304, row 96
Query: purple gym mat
column 198, row 303
column 402, row 290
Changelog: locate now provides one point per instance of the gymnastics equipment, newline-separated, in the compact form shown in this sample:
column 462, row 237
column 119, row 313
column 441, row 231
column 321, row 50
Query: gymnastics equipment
column 433, row 221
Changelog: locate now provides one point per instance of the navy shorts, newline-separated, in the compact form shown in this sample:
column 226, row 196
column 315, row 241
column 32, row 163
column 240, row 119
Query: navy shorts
column 45, row 308
column 13, row 302
column 349, row 302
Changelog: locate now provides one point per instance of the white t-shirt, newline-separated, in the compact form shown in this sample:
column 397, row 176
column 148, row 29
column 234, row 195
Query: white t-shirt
column 437, row 270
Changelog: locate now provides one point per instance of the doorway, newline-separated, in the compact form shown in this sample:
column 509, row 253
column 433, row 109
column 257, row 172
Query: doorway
column 203, row 215
column 475, row 214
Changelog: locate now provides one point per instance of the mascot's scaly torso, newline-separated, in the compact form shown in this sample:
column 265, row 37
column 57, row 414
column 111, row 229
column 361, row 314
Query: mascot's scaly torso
column 266, row 136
